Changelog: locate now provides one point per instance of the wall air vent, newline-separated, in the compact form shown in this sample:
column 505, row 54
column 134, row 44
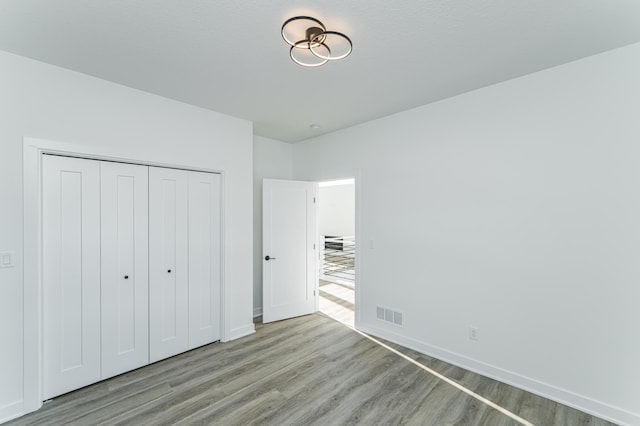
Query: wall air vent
column 397, row 318
column 389, row 315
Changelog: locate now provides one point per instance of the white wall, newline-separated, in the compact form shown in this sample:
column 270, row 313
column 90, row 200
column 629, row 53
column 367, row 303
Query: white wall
column 43, row 101
column 336, row 210
column 274, row 160
column 515, row 209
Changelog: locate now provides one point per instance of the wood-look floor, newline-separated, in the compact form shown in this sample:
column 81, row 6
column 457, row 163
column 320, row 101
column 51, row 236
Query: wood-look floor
column 306, row 370
column 337, row 301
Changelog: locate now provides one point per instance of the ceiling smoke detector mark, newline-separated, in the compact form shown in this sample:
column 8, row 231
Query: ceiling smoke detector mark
column 389, row 315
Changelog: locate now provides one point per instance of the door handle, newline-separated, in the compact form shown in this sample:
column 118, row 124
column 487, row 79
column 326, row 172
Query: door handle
column 269, row 258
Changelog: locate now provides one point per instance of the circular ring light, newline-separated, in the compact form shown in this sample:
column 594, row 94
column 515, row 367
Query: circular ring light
column 328, row 36
column 315, row 46
column 304, row 55
column 298, row 25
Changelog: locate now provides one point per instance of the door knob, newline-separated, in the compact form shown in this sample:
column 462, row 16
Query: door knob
column 126, row 277
column 269, row 258
column 169, row 271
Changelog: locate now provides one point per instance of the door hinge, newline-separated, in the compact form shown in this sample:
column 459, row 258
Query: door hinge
column 314, row 200
column 314, row 246
column 314, row 292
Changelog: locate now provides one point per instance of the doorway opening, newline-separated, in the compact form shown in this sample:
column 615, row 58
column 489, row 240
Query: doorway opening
column 336, row 229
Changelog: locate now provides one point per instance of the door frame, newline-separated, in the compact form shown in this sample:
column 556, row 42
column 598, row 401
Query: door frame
column 33, row 149
column 359, row 246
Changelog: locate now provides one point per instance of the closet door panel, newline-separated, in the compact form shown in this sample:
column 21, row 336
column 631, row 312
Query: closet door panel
column 71, row 273
column 124, row 257
column 168, row 263
column 204, row 258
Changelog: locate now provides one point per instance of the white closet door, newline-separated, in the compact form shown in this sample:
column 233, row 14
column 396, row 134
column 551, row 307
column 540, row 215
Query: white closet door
column 71, row 273
column 124, row 257
column 168, row 263
column 204, row 258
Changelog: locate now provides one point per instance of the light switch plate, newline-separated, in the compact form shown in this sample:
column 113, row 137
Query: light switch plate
column 6, row 259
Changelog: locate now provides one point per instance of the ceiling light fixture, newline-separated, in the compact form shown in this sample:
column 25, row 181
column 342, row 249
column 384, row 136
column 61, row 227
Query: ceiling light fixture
column 311, row 44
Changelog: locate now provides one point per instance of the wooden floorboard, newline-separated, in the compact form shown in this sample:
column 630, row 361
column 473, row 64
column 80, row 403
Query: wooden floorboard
column 337, row 301
column 304, row 371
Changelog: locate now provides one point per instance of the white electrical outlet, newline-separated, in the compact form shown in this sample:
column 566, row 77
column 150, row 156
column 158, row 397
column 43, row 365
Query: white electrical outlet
column 6, row 259
column 474, row 333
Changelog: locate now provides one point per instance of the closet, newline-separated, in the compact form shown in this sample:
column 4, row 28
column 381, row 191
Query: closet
column 131, row 267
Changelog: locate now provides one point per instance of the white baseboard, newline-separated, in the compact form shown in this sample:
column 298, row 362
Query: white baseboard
column 257, row 312
column 11, row 411
column 571, row 399
column 239, row 332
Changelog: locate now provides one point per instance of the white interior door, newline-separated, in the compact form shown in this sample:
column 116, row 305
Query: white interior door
column 168, row 263
column 71, row 273
column 204, row 258
column 124, row 258
column 289, row 260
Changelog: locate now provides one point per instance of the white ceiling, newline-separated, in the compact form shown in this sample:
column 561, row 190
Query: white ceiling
column 228, row 55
